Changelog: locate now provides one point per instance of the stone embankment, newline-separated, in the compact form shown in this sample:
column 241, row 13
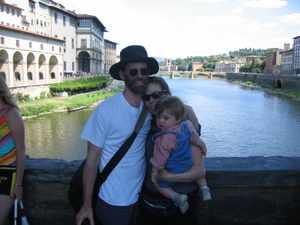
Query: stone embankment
column 246, row 191
column 268, row 80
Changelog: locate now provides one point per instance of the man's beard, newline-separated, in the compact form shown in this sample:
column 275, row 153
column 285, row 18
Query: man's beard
column 135, row 87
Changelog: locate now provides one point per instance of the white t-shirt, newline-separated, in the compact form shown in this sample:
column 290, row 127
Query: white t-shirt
column 107, row 128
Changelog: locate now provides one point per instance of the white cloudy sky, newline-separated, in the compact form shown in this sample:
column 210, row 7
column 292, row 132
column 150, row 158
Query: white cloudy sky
column 180, row 28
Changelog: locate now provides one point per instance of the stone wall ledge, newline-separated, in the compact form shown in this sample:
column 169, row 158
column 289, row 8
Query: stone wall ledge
column 246, row 191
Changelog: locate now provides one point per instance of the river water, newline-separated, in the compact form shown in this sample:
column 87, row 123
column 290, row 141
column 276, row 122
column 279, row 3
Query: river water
column 235, row 122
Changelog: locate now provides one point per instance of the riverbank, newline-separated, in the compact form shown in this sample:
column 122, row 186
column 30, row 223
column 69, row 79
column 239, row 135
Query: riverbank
column 40, row 107
column 280, row 85
column 289, row 93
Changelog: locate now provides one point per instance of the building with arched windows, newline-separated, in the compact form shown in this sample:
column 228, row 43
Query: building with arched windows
column 110, row 54
column 42, row 42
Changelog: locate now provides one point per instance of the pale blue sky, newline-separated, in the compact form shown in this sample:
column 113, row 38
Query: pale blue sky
column 180, row 28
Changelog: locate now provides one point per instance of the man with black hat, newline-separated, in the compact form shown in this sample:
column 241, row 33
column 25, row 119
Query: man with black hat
column 106, row 130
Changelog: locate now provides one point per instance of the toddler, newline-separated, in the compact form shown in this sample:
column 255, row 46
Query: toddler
column 172, row 149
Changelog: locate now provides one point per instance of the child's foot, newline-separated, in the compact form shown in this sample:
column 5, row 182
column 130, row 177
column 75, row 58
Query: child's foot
column 181, row 202
column 205, row 191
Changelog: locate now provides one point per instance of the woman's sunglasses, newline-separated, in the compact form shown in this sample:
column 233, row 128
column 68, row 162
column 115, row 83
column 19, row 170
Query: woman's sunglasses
column 154, row 95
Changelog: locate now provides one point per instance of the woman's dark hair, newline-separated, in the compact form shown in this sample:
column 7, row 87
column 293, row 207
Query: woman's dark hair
column 161, row 82
column 5, row 94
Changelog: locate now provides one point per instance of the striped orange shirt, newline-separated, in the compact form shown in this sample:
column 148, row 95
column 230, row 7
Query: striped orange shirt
column 8, row 151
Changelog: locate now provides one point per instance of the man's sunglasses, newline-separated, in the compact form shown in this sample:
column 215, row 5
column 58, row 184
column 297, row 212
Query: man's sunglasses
column 134, row 72
column 154, row 95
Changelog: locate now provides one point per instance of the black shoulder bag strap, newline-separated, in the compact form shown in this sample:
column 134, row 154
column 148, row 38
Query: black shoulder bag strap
column 113, row 162
column 76, row 184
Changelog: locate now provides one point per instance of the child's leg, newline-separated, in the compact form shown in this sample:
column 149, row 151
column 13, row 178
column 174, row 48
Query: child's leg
column 167, row 192
column 204, row 189
column 179, row 200
column 202, row 182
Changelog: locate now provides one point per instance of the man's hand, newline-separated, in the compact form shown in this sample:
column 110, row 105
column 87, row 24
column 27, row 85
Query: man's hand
column 89, row 176
column 85, row 212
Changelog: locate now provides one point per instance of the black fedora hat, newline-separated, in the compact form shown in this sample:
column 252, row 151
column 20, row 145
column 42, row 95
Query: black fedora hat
column 131, row 54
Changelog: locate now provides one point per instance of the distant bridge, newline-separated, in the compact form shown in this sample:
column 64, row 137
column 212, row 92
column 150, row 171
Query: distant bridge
column 192, row 74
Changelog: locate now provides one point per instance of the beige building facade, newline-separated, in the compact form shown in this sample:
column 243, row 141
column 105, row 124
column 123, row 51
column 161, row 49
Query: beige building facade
column 167, row 66
column 27, row 58
column 272, row 62
column 286, row 66
column 42, row 42
column 197, row 66
column 228, row 67
column 296, row 55
column 90, row 45
column 110, row 54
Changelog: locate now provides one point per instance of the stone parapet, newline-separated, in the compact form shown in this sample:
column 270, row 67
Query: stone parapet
column 246, row 191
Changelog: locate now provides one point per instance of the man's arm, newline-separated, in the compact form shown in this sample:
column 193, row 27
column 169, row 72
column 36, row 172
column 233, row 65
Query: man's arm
column 89, row 177
column 191, row 175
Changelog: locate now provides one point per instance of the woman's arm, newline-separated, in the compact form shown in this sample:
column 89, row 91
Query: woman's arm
column 195, row 139
column 191, row 116
column 191, row 175
column 17, row 129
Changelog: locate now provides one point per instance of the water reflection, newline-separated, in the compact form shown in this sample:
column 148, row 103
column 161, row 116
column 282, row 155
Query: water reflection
column 56, row 136
column 235, row 121
column 242, row 122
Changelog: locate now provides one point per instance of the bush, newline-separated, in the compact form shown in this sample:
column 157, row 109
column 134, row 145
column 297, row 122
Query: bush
column 22, row 98
column 80, row 86
column 43, row 94
column 249, row 83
